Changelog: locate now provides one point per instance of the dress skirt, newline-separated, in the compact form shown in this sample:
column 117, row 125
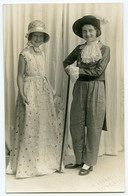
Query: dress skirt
column 36, row 142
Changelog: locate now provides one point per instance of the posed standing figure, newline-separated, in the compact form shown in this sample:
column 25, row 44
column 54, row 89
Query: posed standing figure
column 36, row 141
column 88, row 107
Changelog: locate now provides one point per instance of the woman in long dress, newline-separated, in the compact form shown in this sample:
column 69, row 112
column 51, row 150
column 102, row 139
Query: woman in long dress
column 37, row 137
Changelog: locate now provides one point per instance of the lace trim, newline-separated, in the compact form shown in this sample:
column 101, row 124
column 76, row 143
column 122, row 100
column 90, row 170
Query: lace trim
column 91, row 52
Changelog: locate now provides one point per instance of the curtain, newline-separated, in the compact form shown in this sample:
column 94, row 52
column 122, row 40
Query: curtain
column 58, row 19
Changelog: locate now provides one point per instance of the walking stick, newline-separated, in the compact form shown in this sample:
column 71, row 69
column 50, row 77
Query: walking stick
column 65, row 121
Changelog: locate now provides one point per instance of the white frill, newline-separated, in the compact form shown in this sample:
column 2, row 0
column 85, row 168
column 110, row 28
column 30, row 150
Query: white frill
column 91, row 52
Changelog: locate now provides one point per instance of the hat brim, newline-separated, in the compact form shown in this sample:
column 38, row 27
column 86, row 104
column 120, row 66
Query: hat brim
column 46, row 35
column 77, row 26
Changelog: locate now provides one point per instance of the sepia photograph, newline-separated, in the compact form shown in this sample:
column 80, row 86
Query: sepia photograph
column 64, row 98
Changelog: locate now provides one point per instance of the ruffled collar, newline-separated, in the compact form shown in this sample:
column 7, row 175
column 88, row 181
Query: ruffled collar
column 36, row 49
column 91, row 52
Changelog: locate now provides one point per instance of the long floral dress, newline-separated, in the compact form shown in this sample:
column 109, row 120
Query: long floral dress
column 37, row 135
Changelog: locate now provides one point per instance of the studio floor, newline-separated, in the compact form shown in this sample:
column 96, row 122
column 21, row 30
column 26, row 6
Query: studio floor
column 108, row 176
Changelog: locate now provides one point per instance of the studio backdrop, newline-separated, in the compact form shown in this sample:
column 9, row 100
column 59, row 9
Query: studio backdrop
column 58, row 19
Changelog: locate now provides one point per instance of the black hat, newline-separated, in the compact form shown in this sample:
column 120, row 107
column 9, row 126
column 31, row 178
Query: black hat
column 89, row 19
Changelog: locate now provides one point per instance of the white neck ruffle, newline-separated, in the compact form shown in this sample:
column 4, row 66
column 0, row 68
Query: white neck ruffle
column 91, row 52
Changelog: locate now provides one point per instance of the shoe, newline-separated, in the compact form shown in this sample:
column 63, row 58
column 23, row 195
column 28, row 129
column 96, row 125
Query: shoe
column 83, row 172
column 74, row 166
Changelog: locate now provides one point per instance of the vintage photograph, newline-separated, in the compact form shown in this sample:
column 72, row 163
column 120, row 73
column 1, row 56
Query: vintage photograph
column 64, row 97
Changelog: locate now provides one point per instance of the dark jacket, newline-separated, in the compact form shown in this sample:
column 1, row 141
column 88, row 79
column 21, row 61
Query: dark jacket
column 89, row 71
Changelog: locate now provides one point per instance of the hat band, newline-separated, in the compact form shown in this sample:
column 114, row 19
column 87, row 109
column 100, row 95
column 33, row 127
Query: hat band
column 36, row 29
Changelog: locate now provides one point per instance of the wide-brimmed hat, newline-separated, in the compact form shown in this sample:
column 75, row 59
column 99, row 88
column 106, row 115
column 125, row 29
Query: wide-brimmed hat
column 38, row 26
column 89, row 19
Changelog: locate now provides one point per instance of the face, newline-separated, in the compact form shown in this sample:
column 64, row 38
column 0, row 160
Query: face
column 89, row 33
column 37, row 39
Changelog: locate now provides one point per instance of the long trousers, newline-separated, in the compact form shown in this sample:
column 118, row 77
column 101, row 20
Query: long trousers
column 87, row 109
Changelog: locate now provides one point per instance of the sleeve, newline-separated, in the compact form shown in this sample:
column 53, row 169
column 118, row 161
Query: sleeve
column 23, row 53
column 100, row 66
column 71, row 58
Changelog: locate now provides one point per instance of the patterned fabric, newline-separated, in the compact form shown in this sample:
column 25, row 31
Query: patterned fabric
column 36, row 23
column 38, row 131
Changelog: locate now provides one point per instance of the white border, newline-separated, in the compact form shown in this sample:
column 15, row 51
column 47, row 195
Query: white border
column 2, row 127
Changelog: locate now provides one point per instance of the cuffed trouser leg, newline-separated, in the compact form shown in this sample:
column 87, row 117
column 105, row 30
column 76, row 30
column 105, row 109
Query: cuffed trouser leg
column 88, row 104
column 90, row 154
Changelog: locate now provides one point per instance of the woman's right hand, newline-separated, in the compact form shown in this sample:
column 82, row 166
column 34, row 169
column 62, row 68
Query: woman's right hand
column 67, row 70
column 25, row 100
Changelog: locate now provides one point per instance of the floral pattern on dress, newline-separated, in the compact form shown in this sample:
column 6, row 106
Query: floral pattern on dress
column 37, row 136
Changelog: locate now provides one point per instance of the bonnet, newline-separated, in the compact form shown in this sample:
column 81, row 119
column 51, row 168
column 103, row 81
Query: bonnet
column 38, row 26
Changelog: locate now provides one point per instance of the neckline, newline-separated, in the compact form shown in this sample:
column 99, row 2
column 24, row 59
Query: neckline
column 32, row 51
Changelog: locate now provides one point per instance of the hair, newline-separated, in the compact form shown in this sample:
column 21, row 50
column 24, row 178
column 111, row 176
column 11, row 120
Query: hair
column 31, row 34
column 98, row 33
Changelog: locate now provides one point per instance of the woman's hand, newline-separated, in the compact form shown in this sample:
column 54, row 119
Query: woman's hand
column 25, row 100
column 20, row 79
column 73, row 71
column 67, row 70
